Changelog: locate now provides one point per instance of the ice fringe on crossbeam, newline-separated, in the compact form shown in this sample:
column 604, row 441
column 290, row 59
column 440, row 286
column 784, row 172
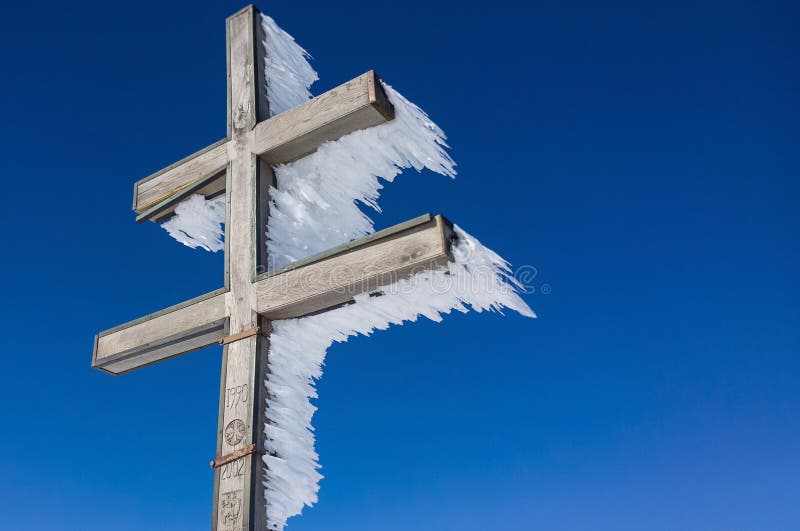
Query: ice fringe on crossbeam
column 315, row 207
column 316, row 204
column 198, row 223
column 286, row 68
column 477, row 279
column 288, row 78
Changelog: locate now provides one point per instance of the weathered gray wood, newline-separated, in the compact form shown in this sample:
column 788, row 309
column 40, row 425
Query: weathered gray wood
column 336, row 279
column 238, row 491
column 171, row 332
column 360, row 242
column 241, row 166
column 172, row 346
column 357, row 104
column 208, row 186
column 266, row 179
column 159, row 186
column 306, row 286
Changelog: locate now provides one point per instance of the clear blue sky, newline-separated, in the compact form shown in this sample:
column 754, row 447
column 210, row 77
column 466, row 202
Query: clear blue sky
column 643, row 156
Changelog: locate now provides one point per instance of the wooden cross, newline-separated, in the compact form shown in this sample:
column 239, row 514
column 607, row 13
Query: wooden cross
column 238, row 315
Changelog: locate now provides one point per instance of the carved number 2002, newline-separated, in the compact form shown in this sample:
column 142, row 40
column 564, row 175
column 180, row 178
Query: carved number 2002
column 233, row 470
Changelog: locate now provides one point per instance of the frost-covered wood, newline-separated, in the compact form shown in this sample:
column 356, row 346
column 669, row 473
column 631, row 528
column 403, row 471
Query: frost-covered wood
column 357, row 104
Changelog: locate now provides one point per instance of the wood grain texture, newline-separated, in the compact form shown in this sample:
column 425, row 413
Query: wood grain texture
column 340, row 249
column 337, row 279
column 306, row 286
column 208, row 186
column 241, row 166
column 240, row 422
column 358, row 104
column 171, row 332
column 170, row 347
column 161, row 185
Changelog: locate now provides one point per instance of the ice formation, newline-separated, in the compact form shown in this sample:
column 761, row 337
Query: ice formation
column 315, row 205
column 286, row 68
column 477, row 279
column 198, row 222
column 288, row 77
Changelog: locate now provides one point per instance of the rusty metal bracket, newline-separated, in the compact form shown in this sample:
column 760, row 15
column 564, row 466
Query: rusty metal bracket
column 238, row 454
column 250, row 332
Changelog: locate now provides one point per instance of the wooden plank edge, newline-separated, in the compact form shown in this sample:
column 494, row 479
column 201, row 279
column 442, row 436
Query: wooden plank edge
column 377, row 96
column 215, row 328
column 94, row 350
column 370, row 283
column 174, row 165
column 448, row 234
column 376, row 100
column 165, row 209
column 169, row 309
column 248, row 7
column 330, row 253
column 373, row 282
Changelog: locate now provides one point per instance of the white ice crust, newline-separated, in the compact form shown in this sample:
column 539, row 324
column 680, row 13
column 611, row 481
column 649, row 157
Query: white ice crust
column 477, row 279
column 198, row 223
column 288, row 78
column 286, row 67
column 315, row 205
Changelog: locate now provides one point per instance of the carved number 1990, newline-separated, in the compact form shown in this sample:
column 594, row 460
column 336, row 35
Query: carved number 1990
column 237, row 395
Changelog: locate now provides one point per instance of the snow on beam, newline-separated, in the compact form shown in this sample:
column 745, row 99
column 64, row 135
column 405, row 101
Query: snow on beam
column 358, row 104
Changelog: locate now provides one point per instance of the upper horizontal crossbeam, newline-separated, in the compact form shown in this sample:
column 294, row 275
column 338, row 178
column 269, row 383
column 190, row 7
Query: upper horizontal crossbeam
column 358, row 104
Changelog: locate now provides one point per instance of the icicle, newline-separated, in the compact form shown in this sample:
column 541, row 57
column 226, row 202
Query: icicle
column 315, row 206
column 477, row 279
column 199, row 223
column 286, row 68
column 288, row 77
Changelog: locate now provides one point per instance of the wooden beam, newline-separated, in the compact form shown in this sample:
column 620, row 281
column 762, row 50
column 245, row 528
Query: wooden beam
column 321, row 281
column 208, row 186
column 182, row 328
column 358, row 104
column 361, row 266
column 243, row 361
column 164, row 184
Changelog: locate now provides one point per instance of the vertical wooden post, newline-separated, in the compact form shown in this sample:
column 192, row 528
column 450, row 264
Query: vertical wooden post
column 239, row 503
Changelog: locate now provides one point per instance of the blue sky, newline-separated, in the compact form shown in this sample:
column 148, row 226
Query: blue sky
column 642, row 156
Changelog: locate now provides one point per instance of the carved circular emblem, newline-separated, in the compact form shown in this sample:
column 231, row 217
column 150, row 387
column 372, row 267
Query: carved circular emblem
column 235, row 432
